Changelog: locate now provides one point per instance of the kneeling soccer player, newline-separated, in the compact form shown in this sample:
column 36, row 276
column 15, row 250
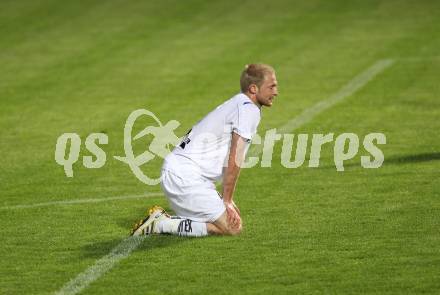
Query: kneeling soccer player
column 213, row 150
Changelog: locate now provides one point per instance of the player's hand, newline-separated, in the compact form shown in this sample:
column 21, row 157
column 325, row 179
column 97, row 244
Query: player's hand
column 236, row 208
column 234, row 218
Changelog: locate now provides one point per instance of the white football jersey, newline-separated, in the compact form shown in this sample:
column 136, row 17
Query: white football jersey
column 204, row 150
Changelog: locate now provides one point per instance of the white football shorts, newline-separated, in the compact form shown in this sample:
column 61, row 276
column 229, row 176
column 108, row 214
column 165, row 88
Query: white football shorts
column 191, row 196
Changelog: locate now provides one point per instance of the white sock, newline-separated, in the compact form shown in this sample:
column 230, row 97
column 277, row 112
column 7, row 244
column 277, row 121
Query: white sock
column 182, row 227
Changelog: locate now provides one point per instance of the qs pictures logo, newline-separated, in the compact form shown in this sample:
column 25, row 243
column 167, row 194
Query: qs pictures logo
column 346, row 147
column 163, row 137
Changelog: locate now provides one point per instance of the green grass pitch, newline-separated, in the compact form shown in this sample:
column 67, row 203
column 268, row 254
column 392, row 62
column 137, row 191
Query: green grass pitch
column 83, row 66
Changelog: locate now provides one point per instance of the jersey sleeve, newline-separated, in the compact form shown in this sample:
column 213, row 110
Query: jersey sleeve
column 246, row 120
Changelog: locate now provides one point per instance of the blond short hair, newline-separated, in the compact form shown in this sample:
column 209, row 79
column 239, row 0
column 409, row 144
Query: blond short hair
column 254, row 74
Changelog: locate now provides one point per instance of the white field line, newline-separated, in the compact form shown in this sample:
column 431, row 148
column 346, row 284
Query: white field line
column 80, row 201
column 101, row 266
column 347, row 90
column 128, row 245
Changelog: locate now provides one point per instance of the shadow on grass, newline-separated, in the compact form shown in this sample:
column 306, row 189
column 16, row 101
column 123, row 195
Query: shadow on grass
column 102, row 248
column 424, row 157
column 128, row 223
column 99, row 249
column 161, row 241
column 407, row 159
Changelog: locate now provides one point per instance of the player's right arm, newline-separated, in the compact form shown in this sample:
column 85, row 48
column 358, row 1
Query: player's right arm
column 230, row 176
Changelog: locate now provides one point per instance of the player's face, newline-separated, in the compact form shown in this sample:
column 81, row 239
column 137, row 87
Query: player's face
column 267, row 91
